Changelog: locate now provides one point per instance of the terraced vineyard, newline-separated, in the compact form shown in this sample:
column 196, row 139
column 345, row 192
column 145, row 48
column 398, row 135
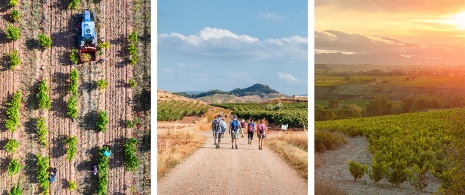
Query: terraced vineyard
column 294, row 114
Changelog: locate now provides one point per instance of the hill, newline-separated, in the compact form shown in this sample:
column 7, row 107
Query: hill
column 254, row 93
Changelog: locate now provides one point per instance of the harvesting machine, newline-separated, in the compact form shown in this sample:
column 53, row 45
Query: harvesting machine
column 87, row 36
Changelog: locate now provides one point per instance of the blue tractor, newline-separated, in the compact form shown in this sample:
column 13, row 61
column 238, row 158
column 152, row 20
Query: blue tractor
column 87, row 36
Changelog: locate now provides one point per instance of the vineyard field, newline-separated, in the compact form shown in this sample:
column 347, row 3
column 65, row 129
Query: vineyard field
column 294, row 114
column 175, row 110
column 409, row 148
column 55, row 98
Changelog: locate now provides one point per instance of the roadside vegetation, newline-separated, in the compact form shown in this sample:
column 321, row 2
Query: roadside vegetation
column 293, row 148
column 173, row 147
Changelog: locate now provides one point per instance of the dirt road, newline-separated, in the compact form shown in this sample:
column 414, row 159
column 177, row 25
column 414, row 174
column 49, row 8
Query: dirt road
column 246, row 170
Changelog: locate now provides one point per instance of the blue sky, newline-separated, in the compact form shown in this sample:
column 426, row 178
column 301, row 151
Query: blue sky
column 219, row 44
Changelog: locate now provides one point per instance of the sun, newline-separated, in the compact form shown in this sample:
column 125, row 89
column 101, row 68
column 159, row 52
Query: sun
column 457, row 20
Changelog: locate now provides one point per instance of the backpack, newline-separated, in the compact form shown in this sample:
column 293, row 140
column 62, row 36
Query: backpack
column 261, row 128
column 235, row 125
column 216, row 125
column 251, row 127
column 243, row 125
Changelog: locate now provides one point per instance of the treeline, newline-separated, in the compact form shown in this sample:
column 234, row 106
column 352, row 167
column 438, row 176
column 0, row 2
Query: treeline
column 382, row 105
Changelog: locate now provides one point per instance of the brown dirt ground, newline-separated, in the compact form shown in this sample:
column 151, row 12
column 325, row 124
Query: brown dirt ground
column 246, row 170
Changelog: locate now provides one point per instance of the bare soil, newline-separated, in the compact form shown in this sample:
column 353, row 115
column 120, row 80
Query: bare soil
column 335, row 169
column 246, row 170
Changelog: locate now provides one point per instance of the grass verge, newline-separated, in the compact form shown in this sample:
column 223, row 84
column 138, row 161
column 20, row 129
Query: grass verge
column 173, row 147
column 293, row 148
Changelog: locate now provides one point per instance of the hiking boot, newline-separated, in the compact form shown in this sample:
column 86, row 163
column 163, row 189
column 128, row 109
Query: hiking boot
column 232, row 147
column 236, row 146
column 217, row 147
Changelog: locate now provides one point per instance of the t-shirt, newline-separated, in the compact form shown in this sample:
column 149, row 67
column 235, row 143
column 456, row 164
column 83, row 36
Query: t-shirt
column 243, row 124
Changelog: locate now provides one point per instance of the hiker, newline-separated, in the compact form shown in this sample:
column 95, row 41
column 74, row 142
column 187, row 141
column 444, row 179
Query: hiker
column 250, row 131
column 213, row 128
column 261, row 131
column 217, row 129
column 52, row 175
column 224, row 126
column 242, row 127
column 233, row 127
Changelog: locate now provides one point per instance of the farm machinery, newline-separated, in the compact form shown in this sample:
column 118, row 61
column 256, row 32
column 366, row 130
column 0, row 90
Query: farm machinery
column 87, row 36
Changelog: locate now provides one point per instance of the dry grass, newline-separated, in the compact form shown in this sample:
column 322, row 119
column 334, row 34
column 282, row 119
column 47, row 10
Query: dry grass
column 318, row 161
column 294, row 149
column 325, row 140
column 173, row 147
column 327, row 187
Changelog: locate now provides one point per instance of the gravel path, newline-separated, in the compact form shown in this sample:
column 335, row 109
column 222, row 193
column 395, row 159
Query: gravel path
column 246, row 170
column 336, row 170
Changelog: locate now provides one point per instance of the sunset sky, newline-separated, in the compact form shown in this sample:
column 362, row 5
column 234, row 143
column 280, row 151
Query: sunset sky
column 397, row 32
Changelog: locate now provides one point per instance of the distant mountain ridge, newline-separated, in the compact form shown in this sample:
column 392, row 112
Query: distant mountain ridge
column 257, row 89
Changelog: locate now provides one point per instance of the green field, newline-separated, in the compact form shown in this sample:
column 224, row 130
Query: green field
column 294, row 114
column 409, row 147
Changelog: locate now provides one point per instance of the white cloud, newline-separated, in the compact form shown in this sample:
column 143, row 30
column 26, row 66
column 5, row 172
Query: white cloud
column 287, row 77
column 167, row 70
column 215, row 43
column 270, row 16
column 184, row 65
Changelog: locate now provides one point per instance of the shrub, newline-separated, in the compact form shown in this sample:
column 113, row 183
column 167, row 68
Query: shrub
column 132, row 83
column 73, row 4
column 357, row 170
column 44, row 40
column 102, row 84
column 13, row 2
column 13, row 32
column 15, row 15
column 72, row 186
column 16, row 190
column 130, row 159
column 102, row 121
column 129, row 124
column 42, row 176
column 133, row 37
column 71, row 151
column 12, row 111
column 74, row 56
column 11, row 146
column 42, row 131
column 72, row 106
column 44, row 100
column 14, row 167
column 103, row 45
column 102, row 164
column 13, row 59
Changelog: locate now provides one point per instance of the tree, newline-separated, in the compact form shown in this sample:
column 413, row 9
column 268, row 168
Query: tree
column 333, row 104
column 323, row 114
column 379, row 106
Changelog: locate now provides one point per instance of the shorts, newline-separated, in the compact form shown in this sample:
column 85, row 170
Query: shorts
column 261, row 136
column 250, row 135
column 218, row 135
column 234, row 134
